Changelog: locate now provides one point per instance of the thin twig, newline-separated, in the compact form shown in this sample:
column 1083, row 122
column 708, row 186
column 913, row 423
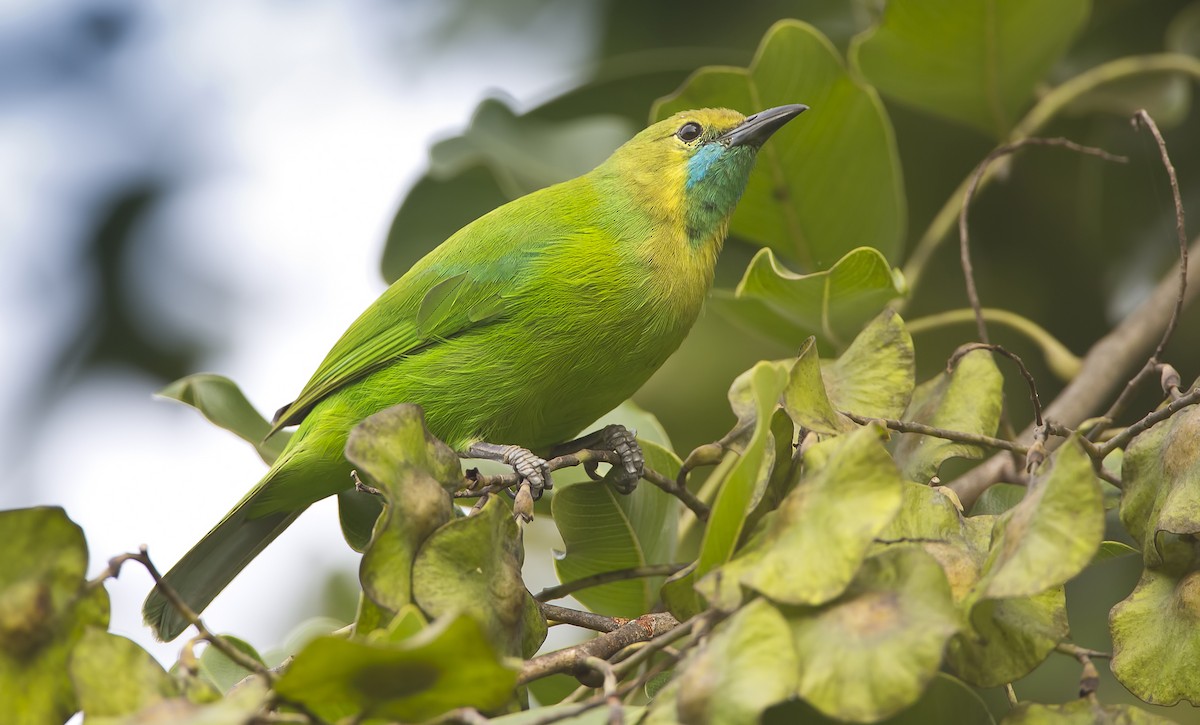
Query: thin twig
column 606, row 577
column 571, row 659
column 1141, row 119
column 907, row 426
column 1122, row 439
column 578, row 618
column 142, row 557
column 973, row 185
column 1033, row 393
column 671, row 486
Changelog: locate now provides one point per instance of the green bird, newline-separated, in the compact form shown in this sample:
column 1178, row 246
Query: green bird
column 516, row 332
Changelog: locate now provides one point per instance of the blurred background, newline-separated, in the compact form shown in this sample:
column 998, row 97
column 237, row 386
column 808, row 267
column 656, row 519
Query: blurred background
column 191, row 187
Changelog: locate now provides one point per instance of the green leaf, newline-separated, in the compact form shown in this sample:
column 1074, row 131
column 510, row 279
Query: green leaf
column 946, row 700
column 998, row 498
column 820, row 533
column 221, row 401
column 1080, row 712
column 1050, row 536
column 1161, row 475
column 764, row 383
column 1112, row 550
column 113, row 676
column 834, row 303
column 972, row 62
column 1006, row 638
column 756, row 316
column 450, row 664
column 223, row 672
column 747, row 665
column 1155, row 632
column 414, row 472
column 473, row 565
column 872, row 652
column 876, row 373
column 45, row 608
column 967, row 400
column 805, row 398
column 845, row 142
column 605, row 531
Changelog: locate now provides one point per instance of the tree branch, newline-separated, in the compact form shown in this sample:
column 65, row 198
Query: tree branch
column 572, row 659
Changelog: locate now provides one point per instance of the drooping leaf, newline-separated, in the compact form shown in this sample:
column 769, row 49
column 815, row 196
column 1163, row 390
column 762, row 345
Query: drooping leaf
column 113, row 676
column 45, row 608
column 448, row 665
column 1005, row 639
column 967, row 400
column 222, row 402
column 834, row 303
column 1156, row 629
column 871, row 652
column 1112, row 550
column 748, row 665
column 603, row 530
column 998, row 498
column 414, row 472
column 1050, row 536
column 972, row 62
column 1161, row 475
column 765, row 382
column 805, row 398
column 473, row 565
column 875, row 375
column 825, row 183
column 819, row 535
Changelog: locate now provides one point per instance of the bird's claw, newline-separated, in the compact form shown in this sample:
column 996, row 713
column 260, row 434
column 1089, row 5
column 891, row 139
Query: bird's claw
column 530, row 467
column 623, row 442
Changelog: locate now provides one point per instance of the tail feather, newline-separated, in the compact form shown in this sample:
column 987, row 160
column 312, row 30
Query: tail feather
column 211, row 564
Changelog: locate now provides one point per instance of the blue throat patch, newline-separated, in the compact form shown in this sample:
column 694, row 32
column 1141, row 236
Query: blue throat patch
column 699, row 165
column 716, row 178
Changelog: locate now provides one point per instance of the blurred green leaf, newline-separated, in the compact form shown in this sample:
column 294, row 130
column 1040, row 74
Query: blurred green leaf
column 114, row 676
column 871, row 652
column 967, row 400
column 239, row 706
column 1050, row 536
column 472, row 565
column 1112, row 550
column 834, row 304
column 1161, row 475
column 414, row 473
column 223, row 672
column 222, row 402
column 756, row 316
column 605, row 531
column 448, row 665
column 747, row 665
column 45, row 608
column 825, row 184
column 819, row 535
column 1080, row 712
column 998, row 498
column 972, row 62
column 946, row 700
column 1183, row 32
column 526, row 153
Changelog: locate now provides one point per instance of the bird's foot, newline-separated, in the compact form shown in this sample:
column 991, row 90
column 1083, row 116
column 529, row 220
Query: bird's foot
column 619, row 440
column 532, row 468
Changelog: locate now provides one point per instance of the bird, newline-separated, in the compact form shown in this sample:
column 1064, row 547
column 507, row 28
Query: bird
column 514, row 334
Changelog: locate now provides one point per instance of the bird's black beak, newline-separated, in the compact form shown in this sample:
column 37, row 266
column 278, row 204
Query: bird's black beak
column 756, row 129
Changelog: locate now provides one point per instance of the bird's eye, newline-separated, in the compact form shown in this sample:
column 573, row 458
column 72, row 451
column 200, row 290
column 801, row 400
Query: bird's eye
column 690, row 131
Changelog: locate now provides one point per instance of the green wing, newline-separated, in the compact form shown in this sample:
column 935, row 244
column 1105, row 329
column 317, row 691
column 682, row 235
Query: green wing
column 419, row 310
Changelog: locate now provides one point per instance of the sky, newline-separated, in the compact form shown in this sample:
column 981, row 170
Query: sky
column 290, row 131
